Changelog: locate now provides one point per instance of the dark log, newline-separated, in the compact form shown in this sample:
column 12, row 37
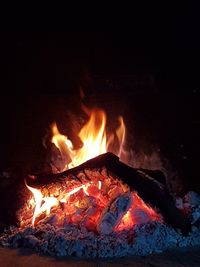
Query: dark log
column 150, row 189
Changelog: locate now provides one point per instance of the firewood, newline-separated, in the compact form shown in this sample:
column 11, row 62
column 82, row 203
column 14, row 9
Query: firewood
column 113, row 214
column 152, row 191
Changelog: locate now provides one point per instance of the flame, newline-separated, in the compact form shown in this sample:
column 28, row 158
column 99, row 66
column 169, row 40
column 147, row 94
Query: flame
column 93, row 138
column 76, row 199
column 44, row 204
column 61, row 141
column 120, row 132
column 49, row 202
column 38, row 200
column 86, row 201
column 99, row 185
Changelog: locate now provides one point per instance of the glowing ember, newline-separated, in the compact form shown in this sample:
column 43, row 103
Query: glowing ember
column 139, row 213
column 93, row 137
column 84, row 204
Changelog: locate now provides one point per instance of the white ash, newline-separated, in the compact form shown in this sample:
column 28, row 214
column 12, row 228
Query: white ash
column 148, row 238
column 114, row 213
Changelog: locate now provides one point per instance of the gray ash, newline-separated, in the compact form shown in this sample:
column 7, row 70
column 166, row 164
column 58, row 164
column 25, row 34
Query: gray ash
column 152, row 237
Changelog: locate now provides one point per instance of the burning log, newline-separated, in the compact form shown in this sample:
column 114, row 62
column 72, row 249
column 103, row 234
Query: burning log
column 152, row 190
column 114, row 213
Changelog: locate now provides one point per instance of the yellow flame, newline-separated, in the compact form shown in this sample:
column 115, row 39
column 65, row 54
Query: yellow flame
column 93, row 137
column 61, row 141
column 38, row 200
column 44, row 204
column 120, row 132
column 99, row 185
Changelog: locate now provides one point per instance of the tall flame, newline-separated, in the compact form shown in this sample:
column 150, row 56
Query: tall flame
column 120, row 132
column 93, row 137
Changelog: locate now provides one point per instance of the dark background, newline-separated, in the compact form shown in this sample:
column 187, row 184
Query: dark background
column 149, row 73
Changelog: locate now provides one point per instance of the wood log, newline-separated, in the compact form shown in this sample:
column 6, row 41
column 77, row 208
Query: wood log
column 151, row 190
column 114, row 212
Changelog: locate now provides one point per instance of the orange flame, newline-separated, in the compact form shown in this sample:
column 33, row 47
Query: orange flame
column 93, row 137
column 61, row 141
column 120, row 132
column 44, row 204
column 76, row 199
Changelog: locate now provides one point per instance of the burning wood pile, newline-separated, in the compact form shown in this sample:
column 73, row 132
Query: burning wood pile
column 92, row 195
column 94, row 205
column 91, row 198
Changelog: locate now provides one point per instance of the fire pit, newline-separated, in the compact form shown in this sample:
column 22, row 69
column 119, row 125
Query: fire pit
column 93, row 204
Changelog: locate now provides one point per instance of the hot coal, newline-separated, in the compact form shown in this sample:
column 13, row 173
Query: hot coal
column 149, row 185
column 96, row 200
column 93, row 213
column 113, row 214
column 70, row 239
column 75, row 240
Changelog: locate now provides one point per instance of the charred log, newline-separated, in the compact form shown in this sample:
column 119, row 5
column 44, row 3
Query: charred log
column 114, row 213
column 151, row 189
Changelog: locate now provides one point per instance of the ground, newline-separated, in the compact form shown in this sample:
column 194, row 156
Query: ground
column 176, row 258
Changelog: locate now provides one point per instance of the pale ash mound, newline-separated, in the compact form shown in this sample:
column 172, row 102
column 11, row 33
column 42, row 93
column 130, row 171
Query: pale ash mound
column 152, row 237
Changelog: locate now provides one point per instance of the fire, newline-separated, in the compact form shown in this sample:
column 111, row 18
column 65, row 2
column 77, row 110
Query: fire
column 93, row 137
column 138, row 213
column 121, row 135
column 84, row 202
column 42, row 204
column 64, row 145
column 38, row 200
